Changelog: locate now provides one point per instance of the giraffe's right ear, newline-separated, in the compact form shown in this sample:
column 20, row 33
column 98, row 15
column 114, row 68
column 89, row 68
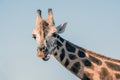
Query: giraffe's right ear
column 61, row 28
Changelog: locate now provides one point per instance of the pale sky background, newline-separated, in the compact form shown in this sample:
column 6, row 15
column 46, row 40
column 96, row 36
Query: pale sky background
column 92, row 24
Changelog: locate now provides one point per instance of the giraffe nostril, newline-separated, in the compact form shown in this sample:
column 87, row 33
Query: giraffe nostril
column 42, row 48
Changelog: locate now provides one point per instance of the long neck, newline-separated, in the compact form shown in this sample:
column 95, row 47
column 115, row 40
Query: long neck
column 85, row 64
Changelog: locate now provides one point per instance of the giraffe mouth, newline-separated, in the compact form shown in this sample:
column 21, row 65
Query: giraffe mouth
column 44, row 54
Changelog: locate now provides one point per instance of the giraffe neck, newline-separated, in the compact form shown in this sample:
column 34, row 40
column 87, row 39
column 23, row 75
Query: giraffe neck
column 85, row 64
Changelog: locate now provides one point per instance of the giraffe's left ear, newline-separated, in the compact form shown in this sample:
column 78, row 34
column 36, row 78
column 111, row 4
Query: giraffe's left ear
column 61, row 28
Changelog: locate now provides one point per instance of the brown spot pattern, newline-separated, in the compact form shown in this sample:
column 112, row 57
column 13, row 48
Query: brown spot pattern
column 95, row 60
column 88, row 76
column 113, row 66
column 72, row 56
column 67, row 62
column 75, row 68
column 117, row 76
column 85, row 77
column 87, row 62
column 104, row 74
column 55, row 54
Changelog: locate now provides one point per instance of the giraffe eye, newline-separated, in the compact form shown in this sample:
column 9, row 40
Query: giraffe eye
column 34, row 36
column 45, row 24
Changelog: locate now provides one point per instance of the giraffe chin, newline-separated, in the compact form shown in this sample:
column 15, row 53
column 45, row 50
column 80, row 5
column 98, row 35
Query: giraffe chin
column 46, row 58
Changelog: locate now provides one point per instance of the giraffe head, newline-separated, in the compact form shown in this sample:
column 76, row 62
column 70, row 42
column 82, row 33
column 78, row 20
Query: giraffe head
column 43, row 33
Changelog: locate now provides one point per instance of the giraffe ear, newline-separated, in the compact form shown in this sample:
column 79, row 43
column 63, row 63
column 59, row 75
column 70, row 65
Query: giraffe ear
column 61, row 28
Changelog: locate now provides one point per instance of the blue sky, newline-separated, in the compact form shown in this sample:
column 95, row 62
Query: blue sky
column 92, row 24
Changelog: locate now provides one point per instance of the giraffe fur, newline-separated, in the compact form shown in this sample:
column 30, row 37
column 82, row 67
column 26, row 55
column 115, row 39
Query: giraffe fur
column 83, row 63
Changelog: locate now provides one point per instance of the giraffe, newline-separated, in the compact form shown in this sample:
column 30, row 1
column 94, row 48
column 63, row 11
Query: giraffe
column 83, row 63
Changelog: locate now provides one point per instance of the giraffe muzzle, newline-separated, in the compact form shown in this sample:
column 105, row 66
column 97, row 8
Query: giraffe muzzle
column 43, row 53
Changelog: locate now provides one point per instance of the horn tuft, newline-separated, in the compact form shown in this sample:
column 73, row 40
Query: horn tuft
column 49, row 10
column 39, row 12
